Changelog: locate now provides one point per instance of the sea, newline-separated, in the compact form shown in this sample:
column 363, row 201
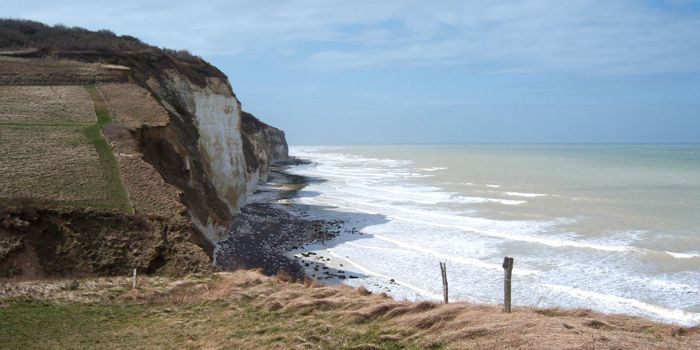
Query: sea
column 613, row 228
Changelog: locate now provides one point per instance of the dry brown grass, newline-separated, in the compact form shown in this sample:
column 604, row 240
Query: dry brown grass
column 50, row 163
column 34, row 71
column 308, row 315
column 46, row 104
column 133, row 106
column 148, row 192
column 35, row 66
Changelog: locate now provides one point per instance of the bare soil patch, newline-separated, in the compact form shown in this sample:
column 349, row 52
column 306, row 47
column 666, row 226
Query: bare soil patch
column 46, row 104
column 133, row 106
column 58, row 164
column 148, row 192
column 35, row 71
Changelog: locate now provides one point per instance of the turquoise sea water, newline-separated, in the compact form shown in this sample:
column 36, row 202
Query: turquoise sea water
column 615, row 228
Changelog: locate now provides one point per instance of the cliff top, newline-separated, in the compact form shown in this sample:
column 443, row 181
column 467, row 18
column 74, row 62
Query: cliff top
column 29, row 39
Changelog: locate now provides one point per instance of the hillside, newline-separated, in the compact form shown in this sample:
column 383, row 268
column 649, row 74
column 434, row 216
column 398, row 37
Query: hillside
column 246, row 310
column 118, row 155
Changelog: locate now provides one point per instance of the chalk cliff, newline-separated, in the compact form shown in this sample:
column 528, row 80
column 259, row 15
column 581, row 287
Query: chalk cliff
column 262, row 145
column 185, row 148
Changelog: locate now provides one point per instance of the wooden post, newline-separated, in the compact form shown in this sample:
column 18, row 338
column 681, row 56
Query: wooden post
column 133, row 280
column 443, row 271
column 508, row 267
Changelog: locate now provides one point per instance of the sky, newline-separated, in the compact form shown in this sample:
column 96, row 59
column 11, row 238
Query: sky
column 451, row 71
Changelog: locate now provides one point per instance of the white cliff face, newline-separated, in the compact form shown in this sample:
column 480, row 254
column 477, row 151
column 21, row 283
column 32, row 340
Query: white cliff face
column 218, row 119
column 229, row 158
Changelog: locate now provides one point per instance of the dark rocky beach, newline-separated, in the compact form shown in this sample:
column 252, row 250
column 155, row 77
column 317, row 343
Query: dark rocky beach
column 267, row 227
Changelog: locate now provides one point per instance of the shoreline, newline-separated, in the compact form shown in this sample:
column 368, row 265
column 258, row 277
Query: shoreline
column 303, row 239
column 295, row 240
column 268, row 227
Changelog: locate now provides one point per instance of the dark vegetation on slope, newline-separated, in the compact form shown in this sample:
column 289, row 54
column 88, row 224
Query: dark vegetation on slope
column 83, row 242
column 22, row 34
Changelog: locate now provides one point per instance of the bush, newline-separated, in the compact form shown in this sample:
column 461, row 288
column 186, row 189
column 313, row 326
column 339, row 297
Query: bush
column 15, row 34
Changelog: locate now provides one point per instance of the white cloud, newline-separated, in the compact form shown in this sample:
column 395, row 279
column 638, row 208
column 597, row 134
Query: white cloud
column 573, row 36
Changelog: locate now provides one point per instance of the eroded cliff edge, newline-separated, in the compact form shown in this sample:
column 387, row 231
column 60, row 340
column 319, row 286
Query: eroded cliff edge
column 187, row 155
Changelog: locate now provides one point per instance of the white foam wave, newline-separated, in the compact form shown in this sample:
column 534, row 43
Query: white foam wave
column 522, row 231
column 415, row 195
column 421, row 195
column 363, row 246
column 493, row 228
column 620, row 304
column 367, row 271
column 683, row 255
column 386, row 187
column 507, row 201
column 436, row 168
column 527, row 195
column 552, row 242
column 456, row 259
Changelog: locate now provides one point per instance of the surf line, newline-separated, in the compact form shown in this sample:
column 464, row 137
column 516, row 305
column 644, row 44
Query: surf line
column 466, row 261
column 472, row 262
column 376, row 274
column 685, row 317
column 556, row 243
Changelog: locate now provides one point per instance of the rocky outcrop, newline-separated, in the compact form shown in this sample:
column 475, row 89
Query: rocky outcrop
column 262, row 146
column 45, row 242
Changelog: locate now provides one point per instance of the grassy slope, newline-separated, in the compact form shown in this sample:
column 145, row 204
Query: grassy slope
column 245, row 310
column 117, row 196
column 157, row 318
column 31, row 324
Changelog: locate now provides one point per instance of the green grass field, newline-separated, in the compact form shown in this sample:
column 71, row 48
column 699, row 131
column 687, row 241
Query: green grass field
column 30, row 324
column 61, row 160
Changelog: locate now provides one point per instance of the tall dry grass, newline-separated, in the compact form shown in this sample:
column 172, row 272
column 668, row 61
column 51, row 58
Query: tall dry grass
column 429, row 325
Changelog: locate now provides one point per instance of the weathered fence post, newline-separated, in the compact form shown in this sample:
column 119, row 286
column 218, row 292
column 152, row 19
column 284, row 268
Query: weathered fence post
column 133, row 280
column 443, row 272
column 508, row 267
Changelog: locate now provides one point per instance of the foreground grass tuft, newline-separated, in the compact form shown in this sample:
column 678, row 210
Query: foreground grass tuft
column 49, row 325
column 245, row 310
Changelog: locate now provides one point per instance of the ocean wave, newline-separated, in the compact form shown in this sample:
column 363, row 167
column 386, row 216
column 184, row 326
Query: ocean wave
column 436, row 168
column 522, row 231
column 552, row 242
column 456, row 259
column 368, row 271
column 619, row 304
column 683, row 255
column 426, row 223
column 424, row 195
column 507, row 201
column 527, row 195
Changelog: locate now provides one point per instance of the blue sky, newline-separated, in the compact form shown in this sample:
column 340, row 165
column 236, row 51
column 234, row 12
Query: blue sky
column 434, row 72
